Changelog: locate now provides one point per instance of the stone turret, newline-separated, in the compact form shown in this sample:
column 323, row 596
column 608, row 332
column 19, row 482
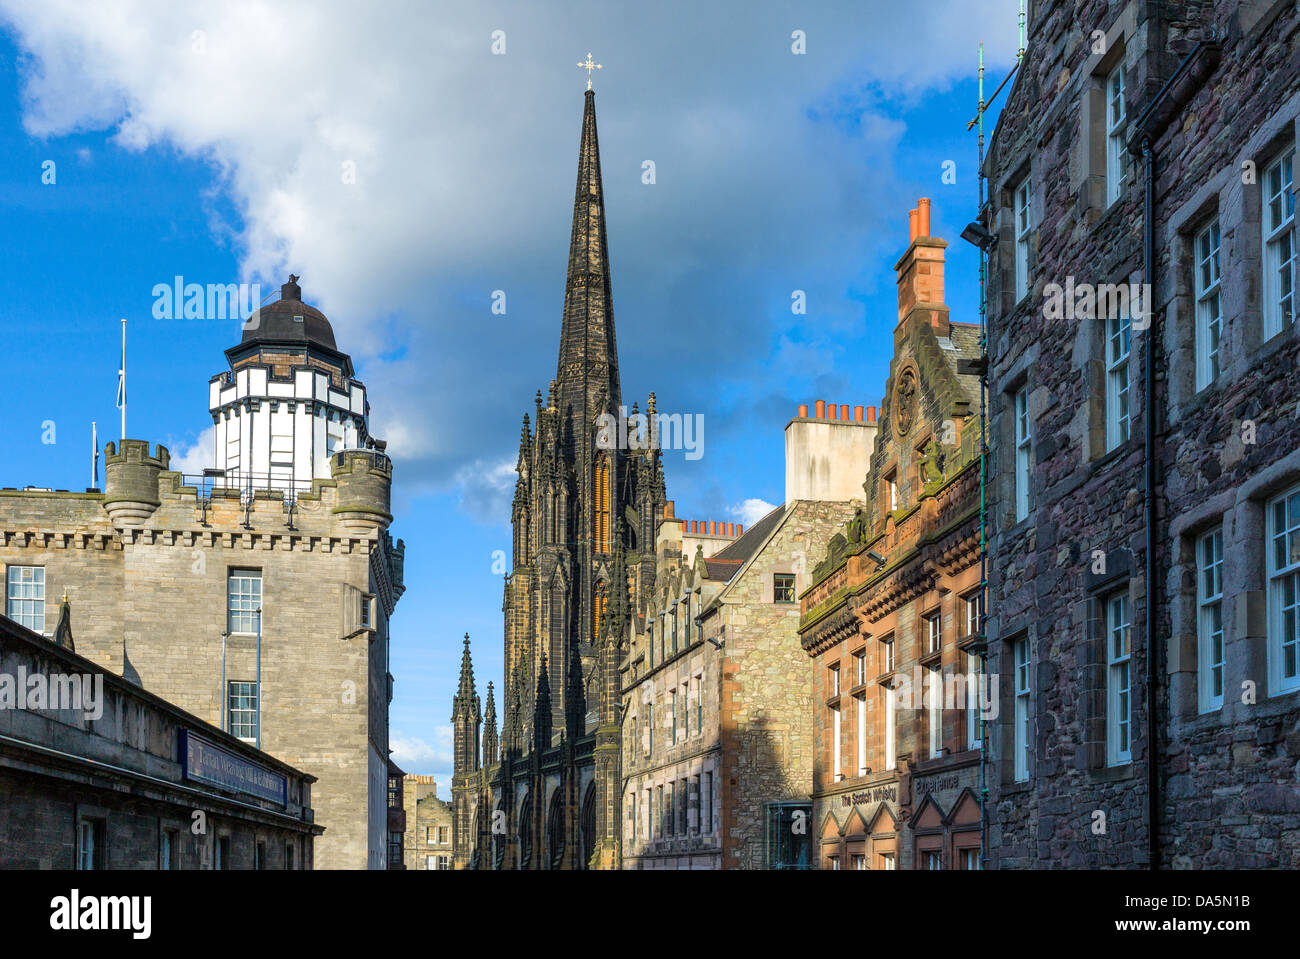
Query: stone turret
column 131, row 481
column 365, row 482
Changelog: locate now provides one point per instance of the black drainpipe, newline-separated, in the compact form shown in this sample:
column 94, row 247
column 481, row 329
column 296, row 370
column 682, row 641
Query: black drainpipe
column 1149, row 442
column 1166, row 103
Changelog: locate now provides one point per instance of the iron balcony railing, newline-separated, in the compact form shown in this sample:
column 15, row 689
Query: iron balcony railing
column 248, row 484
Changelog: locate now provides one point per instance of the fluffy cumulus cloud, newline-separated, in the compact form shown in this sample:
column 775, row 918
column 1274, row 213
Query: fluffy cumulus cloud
column 194, row 458
column 415, row 755
column 750, row 511
column 407, row 172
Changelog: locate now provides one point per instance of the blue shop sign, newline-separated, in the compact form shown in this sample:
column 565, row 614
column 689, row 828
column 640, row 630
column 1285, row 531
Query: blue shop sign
column 206, row 762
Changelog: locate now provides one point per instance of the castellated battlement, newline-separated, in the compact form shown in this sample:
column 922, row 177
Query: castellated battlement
column 365, row 483
column 143, row 497
column 131, row 481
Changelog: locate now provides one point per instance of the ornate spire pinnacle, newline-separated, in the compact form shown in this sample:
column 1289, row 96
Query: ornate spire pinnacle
column 514, row 724
column 465, row 716
column 465, row 695
column 542, row 710
column 588, row 360
column 490, row 729
column 575, row 708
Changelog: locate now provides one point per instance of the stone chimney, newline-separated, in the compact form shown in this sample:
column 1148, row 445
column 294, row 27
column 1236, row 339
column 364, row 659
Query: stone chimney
column 920, row 272
column 827, row 454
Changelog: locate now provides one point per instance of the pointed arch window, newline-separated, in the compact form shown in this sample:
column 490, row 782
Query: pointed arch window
column 553, row 531
column 602, row 505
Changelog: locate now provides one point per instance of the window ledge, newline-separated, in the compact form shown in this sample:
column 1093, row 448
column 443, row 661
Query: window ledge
column 1109, row 458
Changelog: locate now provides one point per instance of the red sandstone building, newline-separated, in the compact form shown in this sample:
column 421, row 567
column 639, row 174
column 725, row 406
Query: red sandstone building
column 891, row 617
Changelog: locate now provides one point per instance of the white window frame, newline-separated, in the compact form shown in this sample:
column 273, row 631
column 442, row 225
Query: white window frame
column 1023, row 225
column 862, row 734
column 933, row 632
column 974, row 606
column 935, row 713
column 243, row 600
column 245, row 692
column 25, row 596
column 1209, row 304
column 1116, row 125
column 860, row 667
column 699, row 704
column 891, row 729
column 1278, row 220
column 1209, row 620
column 835, row 678
column 86, row 830
column 892, row 481
column 1119, row 679
column 973, row 670
column 1283, row 549
column 887, row 654
column 1118, row 348
column 836, row 752
column 1020, row 733
column 1024, row 461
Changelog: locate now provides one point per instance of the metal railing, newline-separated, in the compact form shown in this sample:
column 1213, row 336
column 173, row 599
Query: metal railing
column 248, row 484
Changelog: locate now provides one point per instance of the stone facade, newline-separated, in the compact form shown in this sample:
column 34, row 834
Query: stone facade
column 891, row 618
column 102, row 781
column 766, row 705
column 672, row 750
column 547, row 792
column 1152, row 703
column 429, row 839
column 152, row 565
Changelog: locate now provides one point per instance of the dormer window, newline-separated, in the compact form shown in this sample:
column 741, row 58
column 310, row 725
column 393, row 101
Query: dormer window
column 297, row 319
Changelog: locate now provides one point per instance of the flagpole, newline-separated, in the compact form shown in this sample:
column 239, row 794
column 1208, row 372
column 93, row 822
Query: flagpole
column 94, row 456
column 123, row 377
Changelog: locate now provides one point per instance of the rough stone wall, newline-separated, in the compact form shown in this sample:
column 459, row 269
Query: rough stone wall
column 1235, row 767
column 122, row 770
column 149, row 601
column 426, row 814
column 767, row 704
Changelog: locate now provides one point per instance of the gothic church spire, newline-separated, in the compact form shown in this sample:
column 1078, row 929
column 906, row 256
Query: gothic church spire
column 588, row 352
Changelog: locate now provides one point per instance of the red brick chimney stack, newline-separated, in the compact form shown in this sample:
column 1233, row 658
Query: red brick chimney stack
column 920, row 271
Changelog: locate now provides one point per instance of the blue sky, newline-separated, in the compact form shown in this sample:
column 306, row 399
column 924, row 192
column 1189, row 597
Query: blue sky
column 208, row 142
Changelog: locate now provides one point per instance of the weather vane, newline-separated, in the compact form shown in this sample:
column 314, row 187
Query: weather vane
column 590, row 65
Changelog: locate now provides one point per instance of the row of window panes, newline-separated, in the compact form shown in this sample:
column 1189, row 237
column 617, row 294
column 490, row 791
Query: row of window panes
column 667, row 811
column 1279, row 275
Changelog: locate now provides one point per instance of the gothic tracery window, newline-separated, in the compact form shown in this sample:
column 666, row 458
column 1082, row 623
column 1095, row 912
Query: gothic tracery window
column 602, row 505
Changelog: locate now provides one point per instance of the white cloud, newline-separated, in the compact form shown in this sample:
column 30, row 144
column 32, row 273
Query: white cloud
column 750, row 511
column 194, row 458
column 412, row 753
column 486, row 489
column 464, row 161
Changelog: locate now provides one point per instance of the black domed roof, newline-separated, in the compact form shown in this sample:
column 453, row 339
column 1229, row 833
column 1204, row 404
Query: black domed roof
column 289, row 322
